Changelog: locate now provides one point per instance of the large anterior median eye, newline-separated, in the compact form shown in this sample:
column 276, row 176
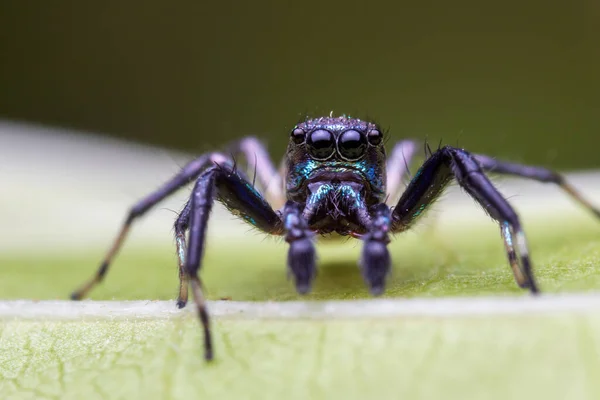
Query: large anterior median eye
column 352, row 145
column 321, row 144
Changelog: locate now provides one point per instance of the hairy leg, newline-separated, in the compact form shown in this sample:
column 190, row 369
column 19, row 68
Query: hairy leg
column 434, row 176
column 223, row 183
column 185, row 176
column 536, row 173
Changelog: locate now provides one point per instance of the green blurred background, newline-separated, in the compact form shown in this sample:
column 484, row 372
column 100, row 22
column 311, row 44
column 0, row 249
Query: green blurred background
column 513, row 79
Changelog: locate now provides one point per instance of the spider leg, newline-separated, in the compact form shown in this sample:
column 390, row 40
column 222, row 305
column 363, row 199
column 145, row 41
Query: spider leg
column 536, row 173
column 187, row 174
column 301, row 255
column 259, row 164
column 223, row 183
column 398, row 165
column 375, row 258
column 434, row 176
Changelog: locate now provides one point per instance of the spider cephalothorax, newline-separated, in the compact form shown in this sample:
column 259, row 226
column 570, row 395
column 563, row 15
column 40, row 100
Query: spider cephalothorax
column 337, row 167
column 336, row 179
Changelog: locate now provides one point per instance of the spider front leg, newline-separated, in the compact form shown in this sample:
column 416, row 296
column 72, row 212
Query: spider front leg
column 261, row 168
column 223, row 183
column 185, row 176
column 256, row 157
column 433, row 177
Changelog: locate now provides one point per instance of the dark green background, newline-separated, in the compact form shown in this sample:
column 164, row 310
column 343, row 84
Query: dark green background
column 516, row 79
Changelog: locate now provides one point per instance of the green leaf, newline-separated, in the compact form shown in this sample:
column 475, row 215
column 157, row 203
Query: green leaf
column 496, row 356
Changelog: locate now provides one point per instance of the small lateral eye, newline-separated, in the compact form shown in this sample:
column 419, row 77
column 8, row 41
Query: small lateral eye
column 375, row 137
column 298, row 135
column 321, row 144
column 352, row 145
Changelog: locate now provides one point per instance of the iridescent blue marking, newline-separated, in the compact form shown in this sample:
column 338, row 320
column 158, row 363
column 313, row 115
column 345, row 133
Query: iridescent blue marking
column 343, row 191
column 252, row 189
column 418, row 173
column 369, row 170
column 350, row 192
column 507, row 235
column 181, row 249
column 320, row 194
column 420, row 210
column 303, row 170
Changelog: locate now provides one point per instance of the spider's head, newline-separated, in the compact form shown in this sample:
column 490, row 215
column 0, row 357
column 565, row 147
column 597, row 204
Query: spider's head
column 340, row 148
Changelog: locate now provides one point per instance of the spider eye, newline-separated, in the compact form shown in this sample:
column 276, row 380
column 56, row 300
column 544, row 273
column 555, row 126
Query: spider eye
column 321, row 144
column 375, row 137
column 298, row 135
column 352, row 145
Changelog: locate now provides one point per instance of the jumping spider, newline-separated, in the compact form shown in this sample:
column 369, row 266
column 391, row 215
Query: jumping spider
column 335, row 181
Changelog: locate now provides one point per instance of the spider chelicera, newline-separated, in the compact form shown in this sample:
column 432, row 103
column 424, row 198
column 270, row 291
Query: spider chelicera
column 335, row 179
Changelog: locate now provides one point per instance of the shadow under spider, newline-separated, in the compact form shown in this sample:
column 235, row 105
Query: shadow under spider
column 341, row 278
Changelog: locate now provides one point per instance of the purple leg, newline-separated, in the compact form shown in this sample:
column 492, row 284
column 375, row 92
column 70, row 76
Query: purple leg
column 398, row 165
column 223, row 183
column 185, row 176
column 536, row 173
column 433, row 177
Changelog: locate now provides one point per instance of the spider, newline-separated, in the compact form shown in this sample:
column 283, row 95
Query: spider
column 335, row 182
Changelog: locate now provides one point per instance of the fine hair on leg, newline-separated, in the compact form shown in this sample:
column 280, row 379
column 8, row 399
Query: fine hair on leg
column 433, row 177
column 539, row 174
column 185, row 176
column 223, row 183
